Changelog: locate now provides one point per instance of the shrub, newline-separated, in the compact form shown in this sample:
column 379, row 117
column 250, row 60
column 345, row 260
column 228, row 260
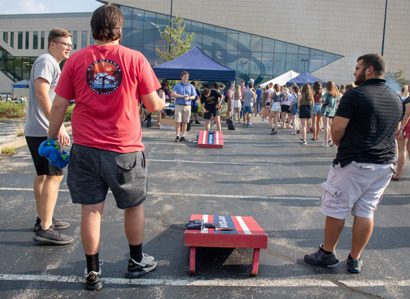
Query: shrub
column 8, row 151
column 12, row 110
column 69, row 113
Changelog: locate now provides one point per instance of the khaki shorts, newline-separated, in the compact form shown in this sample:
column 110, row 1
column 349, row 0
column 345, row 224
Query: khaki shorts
column 357, row 187
column 182, row 113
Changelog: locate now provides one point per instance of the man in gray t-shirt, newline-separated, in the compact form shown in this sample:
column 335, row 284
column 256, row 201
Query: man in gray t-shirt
column 250, row 98
column 43, row 80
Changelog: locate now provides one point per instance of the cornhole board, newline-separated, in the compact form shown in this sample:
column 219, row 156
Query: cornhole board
column 167, row 124
column 246, row 233
column 211, row 139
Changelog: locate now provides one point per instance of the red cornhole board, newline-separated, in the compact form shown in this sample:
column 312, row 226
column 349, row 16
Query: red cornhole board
column 211, row 139
column 246, row 233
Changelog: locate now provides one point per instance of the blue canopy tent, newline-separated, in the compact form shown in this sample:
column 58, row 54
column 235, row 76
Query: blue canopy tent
column 21, row 84
column 199, row 66
column 303, row 78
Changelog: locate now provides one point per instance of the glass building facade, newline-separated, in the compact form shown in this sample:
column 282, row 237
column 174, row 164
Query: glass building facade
column 251, row 56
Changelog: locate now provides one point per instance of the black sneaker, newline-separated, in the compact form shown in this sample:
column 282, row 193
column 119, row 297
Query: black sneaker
column 58, row 224
column 197, row 122
column 182, row 139
column 320, row 258
column 92, row 280
column 51, row 237
column 272, row 132
column 354, row 266
column 136, row 269
column 177, row 139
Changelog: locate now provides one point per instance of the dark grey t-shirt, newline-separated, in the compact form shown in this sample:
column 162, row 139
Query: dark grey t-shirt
column 46, row 67
column 374, row 111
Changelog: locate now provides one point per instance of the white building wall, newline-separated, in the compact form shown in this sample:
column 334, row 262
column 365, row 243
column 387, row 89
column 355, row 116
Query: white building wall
column 349, row 27
column 40, row 22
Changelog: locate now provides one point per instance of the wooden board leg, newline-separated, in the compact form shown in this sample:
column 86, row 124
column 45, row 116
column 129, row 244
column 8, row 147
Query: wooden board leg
column 255, row 261
column 192, row 252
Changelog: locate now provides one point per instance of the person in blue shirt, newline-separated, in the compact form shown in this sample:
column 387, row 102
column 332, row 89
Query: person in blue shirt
column 183, row 92
column 194, row 104
column 257, row 108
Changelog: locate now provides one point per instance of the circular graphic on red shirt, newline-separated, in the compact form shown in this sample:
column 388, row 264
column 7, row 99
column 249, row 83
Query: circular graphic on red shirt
column 104, row 76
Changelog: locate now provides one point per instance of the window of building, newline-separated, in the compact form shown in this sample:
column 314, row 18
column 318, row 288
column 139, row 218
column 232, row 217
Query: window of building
column 91, row 39
column 20, row 40
column 27, row 40
column 12, row 39
column 6, row 37
column 74, row 39
column 84, row 39
column 42, row 39
column 35, row 40
column 252, row 56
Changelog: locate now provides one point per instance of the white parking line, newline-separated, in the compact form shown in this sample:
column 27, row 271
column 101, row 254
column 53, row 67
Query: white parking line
column 251, row 282
column 214, row 162
column 234, row 196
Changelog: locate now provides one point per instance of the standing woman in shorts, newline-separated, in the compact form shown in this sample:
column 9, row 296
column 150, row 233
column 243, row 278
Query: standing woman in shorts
column 316, row 114
column 237, row 103
column 305, row 104
column 265, row 109
column 285, row 108
column 275, row 109
column 330, row 100
column 294, row 111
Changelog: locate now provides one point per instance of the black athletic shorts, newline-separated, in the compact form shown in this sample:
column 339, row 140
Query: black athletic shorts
column 42, row 165
column 211, row 111
column 194, row 109
column 285, row 108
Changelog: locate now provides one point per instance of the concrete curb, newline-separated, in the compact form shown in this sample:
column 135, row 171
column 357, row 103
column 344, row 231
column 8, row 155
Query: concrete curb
column 21, row 141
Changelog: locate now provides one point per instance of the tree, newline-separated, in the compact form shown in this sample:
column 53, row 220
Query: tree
column 177, row 41
column 397, row 77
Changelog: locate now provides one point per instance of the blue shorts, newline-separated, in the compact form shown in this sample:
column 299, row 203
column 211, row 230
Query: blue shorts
column 294, row 110
column 316, row 108
column 247, row 109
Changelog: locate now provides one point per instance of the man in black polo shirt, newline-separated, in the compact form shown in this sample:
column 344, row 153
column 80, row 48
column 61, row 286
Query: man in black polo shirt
column 364, row 129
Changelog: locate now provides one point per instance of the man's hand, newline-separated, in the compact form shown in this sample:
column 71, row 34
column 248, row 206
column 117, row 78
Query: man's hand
column 63, row 137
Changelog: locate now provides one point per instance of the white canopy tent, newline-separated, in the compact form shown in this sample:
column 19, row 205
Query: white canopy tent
column 282, row 79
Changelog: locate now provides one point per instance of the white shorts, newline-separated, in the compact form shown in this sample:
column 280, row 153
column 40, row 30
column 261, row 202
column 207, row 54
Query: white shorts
column 357, row 187
column 237, row 104
column 275, row 107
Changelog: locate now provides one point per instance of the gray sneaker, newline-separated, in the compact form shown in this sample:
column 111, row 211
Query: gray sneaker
column 58, row 224
column 92, row 280
column 354, row 266
column 51, row 237
column 136, row 270
column 320, row 258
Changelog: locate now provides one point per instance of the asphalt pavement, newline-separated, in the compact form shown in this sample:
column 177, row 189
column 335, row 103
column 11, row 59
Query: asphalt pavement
column 275, row 179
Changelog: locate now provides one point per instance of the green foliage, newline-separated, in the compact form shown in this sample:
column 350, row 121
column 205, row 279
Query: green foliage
column 178, row 42
column 8, row 151
column 69, row 113
column 398, row 77
column 12, row 110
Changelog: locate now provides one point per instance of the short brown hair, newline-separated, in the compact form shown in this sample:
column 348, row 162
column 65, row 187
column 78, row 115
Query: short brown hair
column 106, row 22
column 376, row 61
column 57, row 32
column 184, row 73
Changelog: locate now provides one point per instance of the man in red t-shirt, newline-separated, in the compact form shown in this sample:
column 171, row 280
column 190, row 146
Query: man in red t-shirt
column 108, row 83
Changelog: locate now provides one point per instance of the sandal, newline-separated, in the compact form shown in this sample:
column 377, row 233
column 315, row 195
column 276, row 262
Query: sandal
column 395, row 178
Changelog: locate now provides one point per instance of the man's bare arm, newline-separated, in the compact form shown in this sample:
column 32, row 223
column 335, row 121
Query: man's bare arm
column 338, row 129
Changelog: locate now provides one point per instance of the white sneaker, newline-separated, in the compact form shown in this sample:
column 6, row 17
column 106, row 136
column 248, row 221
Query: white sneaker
column 325, row 145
